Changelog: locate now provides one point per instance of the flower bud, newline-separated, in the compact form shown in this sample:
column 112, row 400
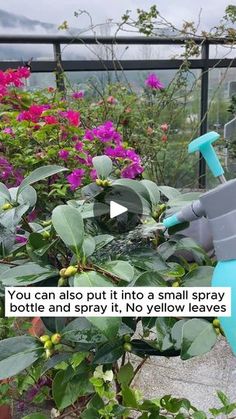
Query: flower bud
column 175, row 284
column 44, row 338
column 62, row 282
column 6, row 206
column 127, row 347
column 48, row 344
column 62, row 272
column 70, row 271
column 56, row 338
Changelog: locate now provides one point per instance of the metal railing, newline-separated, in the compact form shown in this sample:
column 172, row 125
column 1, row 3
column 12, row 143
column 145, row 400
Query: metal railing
column 59, row 65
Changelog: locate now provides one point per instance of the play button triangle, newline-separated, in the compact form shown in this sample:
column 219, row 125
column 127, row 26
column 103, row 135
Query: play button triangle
column 116, row 209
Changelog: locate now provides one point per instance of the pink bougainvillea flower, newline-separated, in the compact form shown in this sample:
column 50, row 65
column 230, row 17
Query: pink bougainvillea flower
column 8, row 131
column 89, row 135
column 111, row 100
column 164, row 127
column 79, row 146
column 78, row 95
column 75, row 178
column 153, row 82
column 72, row 116
column 50, row 120
column 132, row 171
column 93, row 174
column 63, row 154
column 33, row 114
column 23, row 72
column 107, row 133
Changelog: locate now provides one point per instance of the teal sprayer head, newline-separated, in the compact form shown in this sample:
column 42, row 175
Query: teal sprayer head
column 219, row 207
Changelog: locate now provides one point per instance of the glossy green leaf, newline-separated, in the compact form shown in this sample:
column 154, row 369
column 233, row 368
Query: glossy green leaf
column 109, row 352
column 39, row 174
column 125, row 374
column 163, row 328
column 35, row 416
column 120, row 269
column 150, row 279
column 91, row 279
column 27, row 274
column 103, row 166
column 66, row 391
column 109, row 326
column 83, row 331
column 199, row 277
column 153, row 191
column 199, row 337
column 18, row 353
column 69, row 225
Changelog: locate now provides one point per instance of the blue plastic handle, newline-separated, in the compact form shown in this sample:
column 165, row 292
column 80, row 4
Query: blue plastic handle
column 171, row 221
column 204, row 145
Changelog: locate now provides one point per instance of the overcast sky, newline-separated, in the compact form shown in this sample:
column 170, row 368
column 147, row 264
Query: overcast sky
column 56, row 11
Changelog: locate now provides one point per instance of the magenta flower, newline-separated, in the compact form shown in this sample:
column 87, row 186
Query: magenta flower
column 89, row 135
column 21, row 239
column 63, row 154
column 132, row 171
column 79, row 146
column 153, row 82
column 93, row 174
column 107, row 132
column 8, row 131
column 72, row 116
column 75, row 178
column 50, row 120
column 78, row 95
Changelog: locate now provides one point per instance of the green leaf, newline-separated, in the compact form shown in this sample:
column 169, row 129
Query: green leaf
column 223, row 398
column 109, row 326
column 81, row 330
column 103, row 166
column 102, row 240
column 129, row 397
column 150, row 279
column 199, row 277
column 35, row 416
column 18, row 353
column 4, row 192
column 199, row 337
column 177, row 333
column 121, row 269
column 163, row 327
column 147, row 260
column 169, row 192
column 91, row 279
column 199, row 415
column 39, row 174
column 109, row 352
column 66, row 392
column 69, row 225
column 125, row 374
column 153, row 191
column 89, row 246
column 27, row 274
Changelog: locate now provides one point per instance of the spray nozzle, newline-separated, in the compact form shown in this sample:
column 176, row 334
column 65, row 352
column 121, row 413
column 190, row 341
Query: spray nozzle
column 204, row 145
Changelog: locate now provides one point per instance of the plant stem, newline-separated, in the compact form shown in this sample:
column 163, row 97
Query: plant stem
column 138, row 368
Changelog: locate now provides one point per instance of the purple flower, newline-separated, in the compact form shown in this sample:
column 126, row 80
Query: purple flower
column 75, row 178
column 132, row 171
column 21, row 239
column 78, row 95
column 89, row 135
column 8, row 131
column 93, row 174
column 153, row 82
column 107, row 132
column 63, row 154
column 79, row 146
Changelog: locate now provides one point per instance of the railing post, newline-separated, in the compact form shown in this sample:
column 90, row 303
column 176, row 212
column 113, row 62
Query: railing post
column 59, row 70
column 204, row 111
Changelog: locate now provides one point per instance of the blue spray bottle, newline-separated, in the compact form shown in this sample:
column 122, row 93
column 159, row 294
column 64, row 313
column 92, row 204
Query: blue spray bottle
column 219, row 206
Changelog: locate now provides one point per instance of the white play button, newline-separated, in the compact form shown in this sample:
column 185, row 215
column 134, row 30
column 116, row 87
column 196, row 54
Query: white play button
column 116, row 209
